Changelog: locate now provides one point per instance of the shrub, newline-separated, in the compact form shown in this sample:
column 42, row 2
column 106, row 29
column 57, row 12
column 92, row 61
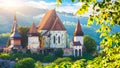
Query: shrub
column 38, row 64
column 65, row 65
column 52, row 65
column 58, row 52
column 79, row 63
column 49, row 58
column 5, row 56
column 59, row 60
column 25, row 63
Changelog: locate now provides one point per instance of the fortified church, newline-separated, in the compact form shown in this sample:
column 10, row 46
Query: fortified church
column 49, row 35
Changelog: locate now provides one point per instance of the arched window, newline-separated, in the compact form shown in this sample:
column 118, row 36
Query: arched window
column 58, row 39
column 54, row 40
column 79, row 52
column 75, row 52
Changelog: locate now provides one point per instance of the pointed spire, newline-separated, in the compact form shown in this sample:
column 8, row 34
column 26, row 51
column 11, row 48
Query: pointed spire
column 14, row 32
column 33, row 29
column 15, row 17
column 78, row 30
column 14, row 23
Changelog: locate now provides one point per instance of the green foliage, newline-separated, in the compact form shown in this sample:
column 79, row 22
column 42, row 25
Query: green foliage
column 59, row 52
column 90, row 45
column 80, row 63
column 52, row 65
column 49, row 58
column 23, row 32
column 25, row 63
column 106, row 14
column 59, row 60
column 38, row 64
column 4, row 38
column 65, row 65
column 5, row 56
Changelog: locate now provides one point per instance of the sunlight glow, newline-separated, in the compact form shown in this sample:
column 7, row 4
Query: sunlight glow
column 10, row 4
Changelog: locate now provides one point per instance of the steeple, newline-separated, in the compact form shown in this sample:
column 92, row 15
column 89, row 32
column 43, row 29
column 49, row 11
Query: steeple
column 15, row 33
column 78, row 30
column 33, row 30
column 14, row 23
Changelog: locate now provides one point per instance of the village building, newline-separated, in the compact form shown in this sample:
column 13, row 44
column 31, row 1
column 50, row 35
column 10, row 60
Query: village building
column 77, row 42
column 49, row 35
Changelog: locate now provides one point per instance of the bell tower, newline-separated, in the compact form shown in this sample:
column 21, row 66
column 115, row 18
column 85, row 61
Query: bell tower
column 33, row 39
column 15, row 37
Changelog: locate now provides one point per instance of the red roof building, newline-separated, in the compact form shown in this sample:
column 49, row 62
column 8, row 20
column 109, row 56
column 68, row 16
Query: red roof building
column 51, row 21
column 33, row 30
column 78, row 30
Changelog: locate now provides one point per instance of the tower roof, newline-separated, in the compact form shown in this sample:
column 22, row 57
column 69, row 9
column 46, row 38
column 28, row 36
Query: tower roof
column 78, row 30
column 33, row 29
column 14, row 23
column 50, row 21
column 15, row 33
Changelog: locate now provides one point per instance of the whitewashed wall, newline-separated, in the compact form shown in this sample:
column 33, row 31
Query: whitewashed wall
column 33, row 43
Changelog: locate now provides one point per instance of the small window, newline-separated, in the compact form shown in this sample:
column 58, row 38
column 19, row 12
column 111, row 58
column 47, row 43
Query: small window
column 54, row 40
column 75, row 52
column 80, row 52
column 58, row 39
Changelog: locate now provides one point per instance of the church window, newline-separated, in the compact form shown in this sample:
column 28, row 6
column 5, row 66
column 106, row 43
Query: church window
column 79, row 52
column 75, row 52
column 54, row 39
column 58, row 39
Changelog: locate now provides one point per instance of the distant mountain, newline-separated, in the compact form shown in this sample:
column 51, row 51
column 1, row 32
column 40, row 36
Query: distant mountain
column 69, row 20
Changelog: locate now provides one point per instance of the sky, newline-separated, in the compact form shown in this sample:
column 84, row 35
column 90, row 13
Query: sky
column 67, row 6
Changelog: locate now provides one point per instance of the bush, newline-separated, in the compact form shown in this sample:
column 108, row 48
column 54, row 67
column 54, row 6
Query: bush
column 59, row 52
column 25, row 63
column 59, row 60
column 38, row 64
column 5, row 56
column 80, row 63
column 49, row 58
column 65, row 65
column 52, row 65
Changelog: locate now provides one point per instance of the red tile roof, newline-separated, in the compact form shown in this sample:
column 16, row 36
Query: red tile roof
column 33, row 29
column 51, row 22
column 78, row 30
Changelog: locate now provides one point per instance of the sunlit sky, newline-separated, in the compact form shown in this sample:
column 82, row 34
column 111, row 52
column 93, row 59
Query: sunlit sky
column 67, row 6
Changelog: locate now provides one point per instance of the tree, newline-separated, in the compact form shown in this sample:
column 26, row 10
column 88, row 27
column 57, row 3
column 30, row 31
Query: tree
column 59, row 52
column 23, row 32
column 90, row 45
column 25, row 63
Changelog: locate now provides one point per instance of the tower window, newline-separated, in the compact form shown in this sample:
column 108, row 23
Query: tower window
column 54, row 40
column 58, row 39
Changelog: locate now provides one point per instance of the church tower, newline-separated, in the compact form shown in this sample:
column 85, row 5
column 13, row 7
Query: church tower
column 15, row 37
column 33, row 39
column 78, row 34
column 78, row 40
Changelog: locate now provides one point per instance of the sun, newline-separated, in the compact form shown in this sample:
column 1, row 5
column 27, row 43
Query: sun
column 10, row 4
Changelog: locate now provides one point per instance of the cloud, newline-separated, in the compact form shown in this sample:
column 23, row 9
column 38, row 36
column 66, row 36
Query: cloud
column 42, row 4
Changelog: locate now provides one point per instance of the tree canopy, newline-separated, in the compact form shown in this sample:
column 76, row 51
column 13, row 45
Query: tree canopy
column 90, row 45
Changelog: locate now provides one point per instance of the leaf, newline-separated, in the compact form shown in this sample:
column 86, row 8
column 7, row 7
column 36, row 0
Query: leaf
column 73, row 0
